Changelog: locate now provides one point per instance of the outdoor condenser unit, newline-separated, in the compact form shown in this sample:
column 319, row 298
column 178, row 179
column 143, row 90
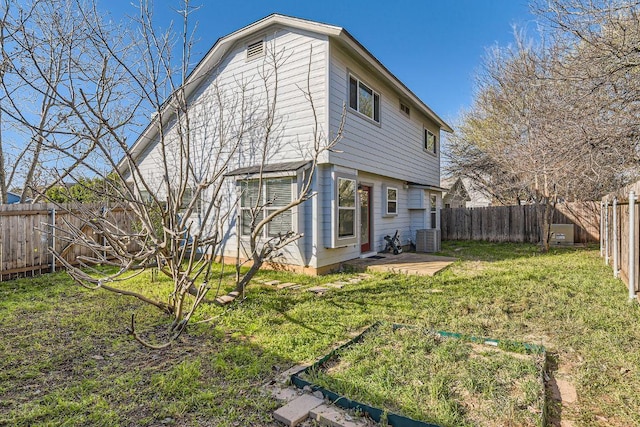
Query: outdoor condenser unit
column 428, row 240
column 561, row 234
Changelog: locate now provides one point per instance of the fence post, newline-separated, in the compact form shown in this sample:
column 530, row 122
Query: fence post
column 614, row 229
column 606, row 232
column 53, row 239
column 632, row 245
column 103, row 214
column 601, row 229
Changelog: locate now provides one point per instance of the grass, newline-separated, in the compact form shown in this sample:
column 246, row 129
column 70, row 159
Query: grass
column 65, row 357
column 446, row 381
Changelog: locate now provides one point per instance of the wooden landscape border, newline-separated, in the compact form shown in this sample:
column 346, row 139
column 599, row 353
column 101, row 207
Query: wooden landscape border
column 397, row 420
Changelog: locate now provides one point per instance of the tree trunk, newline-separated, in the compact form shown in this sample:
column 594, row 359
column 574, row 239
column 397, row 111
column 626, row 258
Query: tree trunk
column 545, row 223
column 255, row 267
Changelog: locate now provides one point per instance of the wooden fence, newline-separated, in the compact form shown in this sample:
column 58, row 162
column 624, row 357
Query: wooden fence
column 518, row 223
column 618, row 241
column 27, row 231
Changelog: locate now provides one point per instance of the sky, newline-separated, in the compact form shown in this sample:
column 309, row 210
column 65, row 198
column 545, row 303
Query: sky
column 433, row 46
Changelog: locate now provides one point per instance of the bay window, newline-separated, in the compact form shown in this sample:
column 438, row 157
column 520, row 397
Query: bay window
column 257, row 202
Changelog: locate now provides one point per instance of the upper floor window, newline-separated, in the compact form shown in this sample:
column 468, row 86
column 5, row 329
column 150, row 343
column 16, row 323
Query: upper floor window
column 430, row 143
column 364, row 99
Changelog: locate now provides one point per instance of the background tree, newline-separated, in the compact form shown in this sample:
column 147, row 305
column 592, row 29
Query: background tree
column 84, row 190
column 526, row 139
column 601, row 61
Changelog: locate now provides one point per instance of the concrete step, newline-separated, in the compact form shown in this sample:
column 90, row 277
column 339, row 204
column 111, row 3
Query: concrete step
column 333, row 416
column 285, row 285
column 296, row 411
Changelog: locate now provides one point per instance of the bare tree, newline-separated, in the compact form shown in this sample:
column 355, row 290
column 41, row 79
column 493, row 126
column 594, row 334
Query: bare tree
column 600, row 61
column 261, row 250
column 175, row 195
column 49, row 65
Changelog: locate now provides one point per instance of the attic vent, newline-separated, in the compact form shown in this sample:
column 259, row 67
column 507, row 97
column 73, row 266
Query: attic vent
column 255, row 50
column 405, row 109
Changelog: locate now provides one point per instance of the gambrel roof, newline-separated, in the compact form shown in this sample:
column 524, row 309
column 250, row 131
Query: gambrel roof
column 336, row 34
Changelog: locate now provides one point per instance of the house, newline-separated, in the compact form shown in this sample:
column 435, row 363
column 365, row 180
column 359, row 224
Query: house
column 12, row 198
column 456, row 195
column 384, row 174
column 463, row 193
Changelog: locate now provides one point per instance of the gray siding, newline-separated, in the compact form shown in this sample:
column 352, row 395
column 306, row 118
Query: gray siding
column 385, row 154
column 392, row 148
column 303, row 58
column 381, row 223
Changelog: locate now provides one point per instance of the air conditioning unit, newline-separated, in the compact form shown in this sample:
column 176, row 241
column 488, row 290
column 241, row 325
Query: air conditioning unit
column 561, row 234
column 428, row 240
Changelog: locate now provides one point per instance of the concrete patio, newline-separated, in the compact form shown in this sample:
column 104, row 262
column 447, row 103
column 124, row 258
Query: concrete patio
column 421, row 264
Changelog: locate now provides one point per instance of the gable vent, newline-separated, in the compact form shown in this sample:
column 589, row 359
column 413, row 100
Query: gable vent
column 255, row 50
column 405, row 109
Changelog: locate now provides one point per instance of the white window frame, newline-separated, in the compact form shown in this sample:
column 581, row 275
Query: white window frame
column 187, row 196
column 145, row 196
column 433, row 210
column 266, row 210
column 431, row 150
column 346, row 208
column 374, row 94
column 387, row 200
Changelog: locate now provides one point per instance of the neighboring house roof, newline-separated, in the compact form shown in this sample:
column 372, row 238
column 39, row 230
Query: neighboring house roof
column 12, row 198
column 474, row 196
column 455, row 188
column 339, row 34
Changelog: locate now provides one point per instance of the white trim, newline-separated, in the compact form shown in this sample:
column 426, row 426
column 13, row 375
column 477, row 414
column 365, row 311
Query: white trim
column 374, row 93
column 433, row 209
column 336, row 173
column 353, row 208
column 387, row 200
column 425, row 134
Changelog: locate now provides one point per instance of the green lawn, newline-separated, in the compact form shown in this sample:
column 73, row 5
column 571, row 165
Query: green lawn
column 449, row 381
column 65, row 357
